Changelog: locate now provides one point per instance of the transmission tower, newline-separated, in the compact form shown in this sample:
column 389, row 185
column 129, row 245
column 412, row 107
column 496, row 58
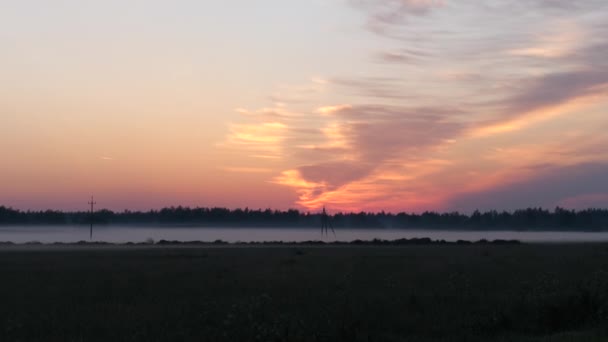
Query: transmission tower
column 92, row 203
column 326, row 223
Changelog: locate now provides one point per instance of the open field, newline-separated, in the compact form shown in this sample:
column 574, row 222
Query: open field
column 299, row 293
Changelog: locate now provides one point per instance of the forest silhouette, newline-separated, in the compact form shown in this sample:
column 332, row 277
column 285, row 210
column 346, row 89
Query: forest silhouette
column 524, row 219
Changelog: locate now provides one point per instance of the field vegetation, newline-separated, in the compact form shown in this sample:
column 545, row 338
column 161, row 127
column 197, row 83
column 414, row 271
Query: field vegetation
column 478, row 292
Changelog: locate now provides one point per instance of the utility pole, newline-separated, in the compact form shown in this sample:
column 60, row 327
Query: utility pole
column 326, row 223
column 92, row 203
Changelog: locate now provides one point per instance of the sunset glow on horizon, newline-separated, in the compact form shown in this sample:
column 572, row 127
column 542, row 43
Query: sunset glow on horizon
column 356, row 105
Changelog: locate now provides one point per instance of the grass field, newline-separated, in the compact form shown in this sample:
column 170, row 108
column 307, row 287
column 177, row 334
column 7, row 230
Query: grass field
column 408, row 293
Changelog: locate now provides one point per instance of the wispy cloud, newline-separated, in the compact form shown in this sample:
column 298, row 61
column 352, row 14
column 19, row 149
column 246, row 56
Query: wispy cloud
column 356, row 146
column 441, row 115
column 244, row 169
column 263, row 140
column 386, row 13
column 569, row 186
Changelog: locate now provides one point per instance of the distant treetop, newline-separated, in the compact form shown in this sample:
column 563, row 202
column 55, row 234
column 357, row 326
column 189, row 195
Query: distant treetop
column 528, row 219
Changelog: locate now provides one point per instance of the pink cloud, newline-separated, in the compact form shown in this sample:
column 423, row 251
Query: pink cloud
column 585, row 201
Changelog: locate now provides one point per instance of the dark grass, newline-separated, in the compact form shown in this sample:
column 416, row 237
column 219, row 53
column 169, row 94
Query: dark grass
column 324, row 293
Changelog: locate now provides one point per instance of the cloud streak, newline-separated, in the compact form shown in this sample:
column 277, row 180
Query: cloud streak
column 448, row 112
column 386, row 13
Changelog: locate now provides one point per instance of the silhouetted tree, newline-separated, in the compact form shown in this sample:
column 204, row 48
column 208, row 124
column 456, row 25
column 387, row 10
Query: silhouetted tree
column 530, row 218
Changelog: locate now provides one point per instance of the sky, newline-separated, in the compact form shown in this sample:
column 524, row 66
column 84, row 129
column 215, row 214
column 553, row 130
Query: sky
column 356, row 105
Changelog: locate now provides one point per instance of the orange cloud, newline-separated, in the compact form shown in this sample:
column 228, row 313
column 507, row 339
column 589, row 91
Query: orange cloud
column 328, row 110
column 576, row 102
column 552, row 44
column 247, row 169
column 262, row 140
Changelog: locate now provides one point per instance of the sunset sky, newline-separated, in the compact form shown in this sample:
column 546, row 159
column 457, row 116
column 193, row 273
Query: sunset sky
column 395, row 105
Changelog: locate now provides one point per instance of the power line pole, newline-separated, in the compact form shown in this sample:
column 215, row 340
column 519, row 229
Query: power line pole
column 92, row 203
column 326, row 223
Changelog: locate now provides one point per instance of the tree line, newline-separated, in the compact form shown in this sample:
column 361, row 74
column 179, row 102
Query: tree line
column 524, row 219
